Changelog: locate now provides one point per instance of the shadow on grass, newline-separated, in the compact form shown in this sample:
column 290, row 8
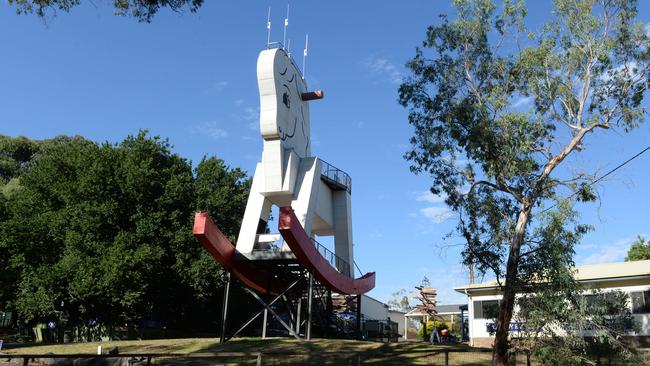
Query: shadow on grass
column 347, row 352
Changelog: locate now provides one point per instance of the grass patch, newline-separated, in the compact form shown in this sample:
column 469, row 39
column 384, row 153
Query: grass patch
column 280, row 351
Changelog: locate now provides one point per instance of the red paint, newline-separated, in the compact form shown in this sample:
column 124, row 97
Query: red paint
column 263, row 281
column 223, row 251
column 309, row 257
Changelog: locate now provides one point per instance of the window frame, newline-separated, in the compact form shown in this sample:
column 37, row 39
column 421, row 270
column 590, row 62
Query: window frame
column 644, row 296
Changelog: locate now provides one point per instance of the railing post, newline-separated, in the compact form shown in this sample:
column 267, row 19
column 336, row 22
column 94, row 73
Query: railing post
column 446, row 357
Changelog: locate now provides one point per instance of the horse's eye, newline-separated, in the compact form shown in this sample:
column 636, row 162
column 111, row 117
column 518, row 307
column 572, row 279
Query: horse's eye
column 286, row 100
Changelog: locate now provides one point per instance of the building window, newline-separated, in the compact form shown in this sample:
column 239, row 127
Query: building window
column 603, row 302
column 487, row 309
column 640, row 302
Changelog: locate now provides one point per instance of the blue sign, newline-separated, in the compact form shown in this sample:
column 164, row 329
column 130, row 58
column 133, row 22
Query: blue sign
column 512, row 327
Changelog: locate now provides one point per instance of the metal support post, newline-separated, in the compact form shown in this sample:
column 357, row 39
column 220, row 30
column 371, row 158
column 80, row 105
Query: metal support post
column 224, row 313
column 309, row 303
column 266, row 306
column 298, row 314
column 266, row 314
column 359, row 316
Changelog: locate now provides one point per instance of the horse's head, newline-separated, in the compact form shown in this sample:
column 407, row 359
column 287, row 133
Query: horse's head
column 284, row 112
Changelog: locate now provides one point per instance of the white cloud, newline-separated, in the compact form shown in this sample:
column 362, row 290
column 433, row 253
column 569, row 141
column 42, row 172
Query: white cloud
column 360, row 124
column 626, row 70
column 210, row 128
column 251, row 115
column 437, row 214
column 383, row 67
column 216, row 86
column 605, row 253
column 427, row 196
column 522, row 102
column 437, row 211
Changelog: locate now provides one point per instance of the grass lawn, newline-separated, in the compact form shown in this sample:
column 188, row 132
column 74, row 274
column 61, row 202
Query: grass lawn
column 275, row 350
column 279, row 351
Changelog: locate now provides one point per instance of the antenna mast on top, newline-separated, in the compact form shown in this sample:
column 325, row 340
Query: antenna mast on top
column 268, row 28
column 304, row 56
column 286, row 25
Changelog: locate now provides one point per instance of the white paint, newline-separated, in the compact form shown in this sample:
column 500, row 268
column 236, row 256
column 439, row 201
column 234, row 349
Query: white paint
column 478, row 327
column 288, row 174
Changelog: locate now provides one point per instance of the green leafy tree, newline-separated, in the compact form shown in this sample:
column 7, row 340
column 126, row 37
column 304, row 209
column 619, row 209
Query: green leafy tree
column 143, row 10
column 15, row 154
column 555, row 324
column 640, row 250
column 103, row 232
column 222, row 191
column 497, row 110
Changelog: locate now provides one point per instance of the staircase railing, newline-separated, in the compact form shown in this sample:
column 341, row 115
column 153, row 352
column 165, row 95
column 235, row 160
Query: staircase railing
column 337, row 262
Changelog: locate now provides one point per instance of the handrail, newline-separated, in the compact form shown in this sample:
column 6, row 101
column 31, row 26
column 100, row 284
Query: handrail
column 337, row 262
column 358, row 269
column 336, row 176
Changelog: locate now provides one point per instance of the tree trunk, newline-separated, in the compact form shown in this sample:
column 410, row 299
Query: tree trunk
column 500, row 349
column 471, row 270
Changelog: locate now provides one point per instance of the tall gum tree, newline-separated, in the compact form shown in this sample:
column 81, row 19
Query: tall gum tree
column 496, row 110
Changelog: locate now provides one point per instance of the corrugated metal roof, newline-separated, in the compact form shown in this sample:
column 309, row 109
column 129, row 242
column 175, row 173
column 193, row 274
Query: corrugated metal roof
column 592, row 272
column 440, row 309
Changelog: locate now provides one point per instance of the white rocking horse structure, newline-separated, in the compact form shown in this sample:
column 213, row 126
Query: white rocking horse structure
column 313, row 197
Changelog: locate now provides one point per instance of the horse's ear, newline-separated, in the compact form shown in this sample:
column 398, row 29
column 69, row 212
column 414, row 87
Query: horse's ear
column 318, row 94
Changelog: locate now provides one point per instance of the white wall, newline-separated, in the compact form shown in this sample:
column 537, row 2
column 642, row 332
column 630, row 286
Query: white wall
column 373, row 309
column 398, row 317
column 478, row 327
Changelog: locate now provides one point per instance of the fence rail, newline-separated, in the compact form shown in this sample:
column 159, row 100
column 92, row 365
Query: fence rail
column 441, row 357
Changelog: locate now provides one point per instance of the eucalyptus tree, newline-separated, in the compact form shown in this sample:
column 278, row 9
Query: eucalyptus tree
column 497, row 109
column 143, row 10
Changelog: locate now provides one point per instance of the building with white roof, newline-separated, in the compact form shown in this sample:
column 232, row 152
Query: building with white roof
column 630, row 277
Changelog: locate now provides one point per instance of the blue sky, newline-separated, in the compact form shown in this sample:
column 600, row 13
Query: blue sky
column 190, row 77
